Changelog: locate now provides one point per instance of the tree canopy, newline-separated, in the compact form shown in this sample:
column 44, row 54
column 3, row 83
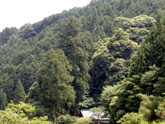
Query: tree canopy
column 110, row 54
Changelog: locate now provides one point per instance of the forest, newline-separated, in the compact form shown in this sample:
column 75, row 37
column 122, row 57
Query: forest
column 107, row 56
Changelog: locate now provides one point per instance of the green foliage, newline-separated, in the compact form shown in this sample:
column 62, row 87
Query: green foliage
column 132, row 118
column 27, row 31
column 18, row 114
column 148, row 54
column 144, row 62
column 120, row 35
column 160, row 111
column 53, row 88
column 121, row 98
column 99, row 112
column 71, row 28
column 84, row 121
column 66, row 119
column 138, row 27
column 159, row 86
column 3, row 99
column 148, row 79
column 6, row 34
column 138, row 21
column 111, row 59
column 146, row 112
column 111, row 101
column 147, row 106
column 22, row 53
column 19, row 94
column 87, row 102
column 158, row 122
column 77, row 47
column 108, row 94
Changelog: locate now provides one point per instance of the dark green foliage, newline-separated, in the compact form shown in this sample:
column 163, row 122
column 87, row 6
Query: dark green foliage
column 111, row 59
column 148, row 54
column 146, row 112
column 116, row 27
column 33, row 99
column 6, row 34
column 26, row 47
column 159, row 85
column 147, row 57
column 77, row 47
column 121, row 98
column 19, row 93
column 3, row 99
column 160, row 111
column 53, row 89
column 71, row 28
column 27, row 31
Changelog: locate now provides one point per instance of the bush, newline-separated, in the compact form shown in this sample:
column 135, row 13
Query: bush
column 67, row 119
column 84, row 121
column 132, row 118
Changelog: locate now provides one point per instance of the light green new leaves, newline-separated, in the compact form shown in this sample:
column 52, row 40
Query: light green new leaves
column 138, row 27
column 16, row 114
column 132, row 118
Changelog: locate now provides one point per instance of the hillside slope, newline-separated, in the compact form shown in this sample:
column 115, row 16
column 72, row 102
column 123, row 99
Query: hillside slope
column 98, row 42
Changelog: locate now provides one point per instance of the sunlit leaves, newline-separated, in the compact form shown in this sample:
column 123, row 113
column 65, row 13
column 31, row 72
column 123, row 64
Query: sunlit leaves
column 17, row 114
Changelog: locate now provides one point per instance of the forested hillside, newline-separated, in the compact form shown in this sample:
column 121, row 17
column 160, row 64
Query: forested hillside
column 109, row 54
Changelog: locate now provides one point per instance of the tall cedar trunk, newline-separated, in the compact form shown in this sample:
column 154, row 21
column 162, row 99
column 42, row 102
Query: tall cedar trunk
column 75, row 108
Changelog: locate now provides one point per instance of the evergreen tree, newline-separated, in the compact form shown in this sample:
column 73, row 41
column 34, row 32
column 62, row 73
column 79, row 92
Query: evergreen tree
column 22, row 52
column 148, row 54
column 19, row 93
column 55, row 92
column 146, row 75
column 6, row 34
column 3, row 99
column 78, row 48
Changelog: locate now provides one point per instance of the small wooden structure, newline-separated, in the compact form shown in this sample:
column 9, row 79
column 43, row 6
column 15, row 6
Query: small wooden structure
column 96, row 117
